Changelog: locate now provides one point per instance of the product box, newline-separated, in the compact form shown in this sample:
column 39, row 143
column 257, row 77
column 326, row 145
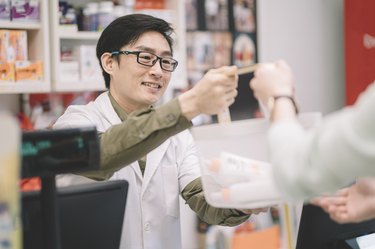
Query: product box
column 5, row 10
column 17, row 50
column 89, row 67
column 69, row 71
column 4, row 45
column 25, row 10
column 7, row 72
column 28, row 70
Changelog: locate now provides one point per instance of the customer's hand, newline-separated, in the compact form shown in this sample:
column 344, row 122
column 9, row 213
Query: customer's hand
column 353, row 204
column 271, row 79
column 212, row 94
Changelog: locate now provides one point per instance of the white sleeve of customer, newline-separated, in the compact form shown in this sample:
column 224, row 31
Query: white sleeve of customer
column 329, row 157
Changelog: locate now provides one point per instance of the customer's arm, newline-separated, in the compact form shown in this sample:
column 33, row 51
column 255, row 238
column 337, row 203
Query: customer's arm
column 308, row 163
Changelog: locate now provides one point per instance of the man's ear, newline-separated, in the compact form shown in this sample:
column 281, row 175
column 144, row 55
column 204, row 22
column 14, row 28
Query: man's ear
column 108, row 62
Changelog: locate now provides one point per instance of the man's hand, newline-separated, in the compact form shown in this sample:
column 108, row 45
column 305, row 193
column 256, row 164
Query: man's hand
column 212, row 94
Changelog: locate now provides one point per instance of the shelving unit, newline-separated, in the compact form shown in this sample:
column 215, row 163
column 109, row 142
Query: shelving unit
column 38, row 49
column 65, row 37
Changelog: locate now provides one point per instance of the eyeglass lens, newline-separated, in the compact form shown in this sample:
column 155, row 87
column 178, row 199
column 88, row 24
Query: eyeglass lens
column 150, row 59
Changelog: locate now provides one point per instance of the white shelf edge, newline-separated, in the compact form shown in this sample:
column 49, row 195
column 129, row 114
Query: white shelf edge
column 78, row 35
column 81, row 86
column 27, row 86
column 20, row 25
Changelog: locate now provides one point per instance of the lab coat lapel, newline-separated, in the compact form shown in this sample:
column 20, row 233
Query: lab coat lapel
column 137, row 170
column 153, row 162
column 106, row 109
column 109, row 113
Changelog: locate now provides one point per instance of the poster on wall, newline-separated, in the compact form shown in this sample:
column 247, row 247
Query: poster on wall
column 223, row 33
column 359, row 47
column 244, row 15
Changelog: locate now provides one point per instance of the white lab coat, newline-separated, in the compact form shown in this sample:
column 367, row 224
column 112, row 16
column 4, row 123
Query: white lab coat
column 152, row 210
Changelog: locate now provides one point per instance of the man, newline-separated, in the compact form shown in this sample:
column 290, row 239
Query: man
column 148, row 146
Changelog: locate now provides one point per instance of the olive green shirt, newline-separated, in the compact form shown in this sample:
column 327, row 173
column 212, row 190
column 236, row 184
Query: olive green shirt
column 143, row 131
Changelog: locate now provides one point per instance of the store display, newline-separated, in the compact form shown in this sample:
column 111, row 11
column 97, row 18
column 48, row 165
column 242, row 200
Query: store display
column 4, row 10
column 25, row 10
column 244, row 15
column 216, row 14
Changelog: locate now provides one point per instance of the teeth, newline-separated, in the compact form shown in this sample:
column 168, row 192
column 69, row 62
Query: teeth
column 153, row 85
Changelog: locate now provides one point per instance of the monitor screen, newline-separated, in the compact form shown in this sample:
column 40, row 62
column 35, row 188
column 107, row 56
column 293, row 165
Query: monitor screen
column 317, row 230
column 91, row 216
column 51, row 152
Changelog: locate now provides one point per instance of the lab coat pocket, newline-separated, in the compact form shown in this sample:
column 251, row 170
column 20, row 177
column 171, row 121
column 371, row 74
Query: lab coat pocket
column 171, row 190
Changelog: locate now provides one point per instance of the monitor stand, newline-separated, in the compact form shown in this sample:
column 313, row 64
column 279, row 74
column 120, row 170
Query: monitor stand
column 50, row 213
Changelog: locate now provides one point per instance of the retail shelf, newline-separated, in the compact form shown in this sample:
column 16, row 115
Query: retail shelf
column 28, row 86
column 78, row 35
column 20, row 25
column 79, row 86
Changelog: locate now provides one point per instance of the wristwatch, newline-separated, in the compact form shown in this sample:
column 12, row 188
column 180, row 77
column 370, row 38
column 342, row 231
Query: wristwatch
column 271, row 102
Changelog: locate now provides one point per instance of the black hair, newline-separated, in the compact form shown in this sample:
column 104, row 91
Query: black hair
column 126, row 30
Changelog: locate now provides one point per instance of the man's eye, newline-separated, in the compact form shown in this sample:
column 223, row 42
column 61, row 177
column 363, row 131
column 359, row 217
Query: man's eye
column 145, row 57
column 166, row 62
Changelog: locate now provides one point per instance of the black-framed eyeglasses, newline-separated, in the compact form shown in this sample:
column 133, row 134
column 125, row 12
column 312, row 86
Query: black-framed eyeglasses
column 149, row 59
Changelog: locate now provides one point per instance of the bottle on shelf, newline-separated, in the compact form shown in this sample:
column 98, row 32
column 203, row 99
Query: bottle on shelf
column 93, row 13
column 105, row 14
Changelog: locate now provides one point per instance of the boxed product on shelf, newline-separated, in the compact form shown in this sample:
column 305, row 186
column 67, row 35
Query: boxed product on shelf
column 7, row 72
column 28, row 70
column 4, row 9
column 69, row 71
column 25, row 10
column 17, row 50
column 4, row 44
column 89, row 67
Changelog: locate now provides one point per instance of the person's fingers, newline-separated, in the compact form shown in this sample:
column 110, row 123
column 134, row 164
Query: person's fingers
column 341, row 217
column 214, row 165
column 343, row 192
column 337, row 209
column 227, row 70
column 337, row 201
column 283, row 65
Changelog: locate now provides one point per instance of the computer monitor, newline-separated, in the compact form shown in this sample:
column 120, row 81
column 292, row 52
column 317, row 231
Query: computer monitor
column 91, row 216
column 52, row 152
column 317, row 230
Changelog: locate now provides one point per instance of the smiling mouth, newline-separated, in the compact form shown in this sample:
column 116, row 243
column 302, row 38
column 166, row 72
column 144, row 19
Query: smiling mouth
column 152, row 85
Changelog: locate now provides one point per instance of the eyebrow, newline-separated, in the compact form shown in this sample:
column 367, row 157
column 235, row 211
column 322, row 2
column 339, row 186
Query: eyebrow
column 151, row 50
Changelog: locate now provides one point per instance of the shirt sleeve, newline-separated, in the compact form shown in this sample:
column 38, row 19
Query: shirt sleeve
column 142, row 132
column 194, row 197
column 307, row 163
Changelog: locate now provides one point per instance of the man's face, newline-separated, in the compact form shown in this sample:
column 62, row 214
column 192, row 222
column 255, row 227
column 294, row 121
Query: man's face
column 135, row 86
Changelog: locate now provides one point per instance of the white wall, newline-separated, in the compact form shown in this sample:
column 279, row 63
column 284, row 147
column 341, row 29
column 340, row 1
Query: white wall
column 308, row 34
